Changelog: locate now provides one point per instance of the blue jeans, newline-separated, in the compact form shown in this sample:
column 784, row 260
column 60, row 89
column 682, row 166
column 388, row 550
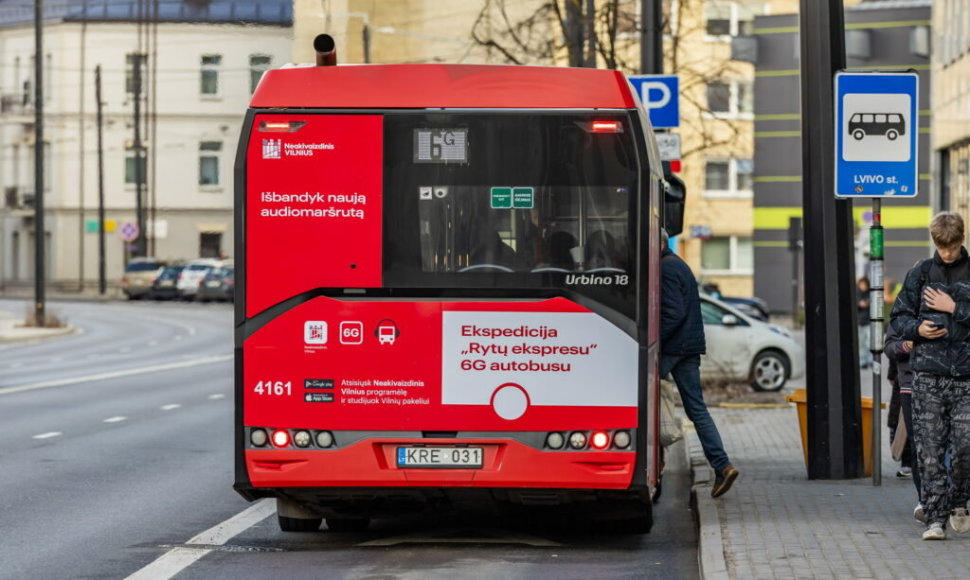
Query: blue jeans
column 686, row 371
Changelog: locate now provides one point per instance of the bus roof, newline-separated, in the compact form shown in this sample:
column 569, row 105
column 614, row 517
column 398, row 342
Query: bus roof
column 424, row 86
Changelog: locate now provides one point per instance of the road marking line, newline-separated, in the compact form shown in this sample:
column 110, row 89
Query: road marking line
column 171, row 563
column 115, row 419
column 116, row 374
column 216, row 396
column 171, row 406
column 48, row 435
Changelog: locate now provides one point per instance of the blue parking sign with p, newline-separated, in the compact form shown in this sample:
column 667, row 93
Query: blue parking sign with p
column 660, row 96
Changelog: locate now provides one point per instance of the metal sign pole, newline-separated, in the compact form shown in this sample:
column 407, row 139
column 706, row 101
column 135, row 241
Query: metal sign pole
column 876, row 335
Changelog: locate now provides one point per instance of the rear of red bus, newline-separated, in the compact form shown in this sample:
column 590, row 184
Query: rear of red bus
column 447, row 293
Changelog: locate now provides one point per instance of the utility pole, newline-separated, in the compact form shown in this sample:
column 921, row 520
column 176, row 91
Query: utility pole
column 834, row 405
column 102, row 278
column 139, row 242
column 40, row 314
column 651, row 37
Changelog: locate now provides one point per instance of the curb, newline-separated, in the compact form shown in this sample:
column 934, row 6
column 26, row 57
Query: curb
column 710, row 547
column 29, row 334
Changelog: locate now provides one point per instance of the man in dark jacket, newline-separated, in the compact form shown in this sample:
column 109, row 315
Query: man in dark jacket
column 933, row 311
column 681, row 346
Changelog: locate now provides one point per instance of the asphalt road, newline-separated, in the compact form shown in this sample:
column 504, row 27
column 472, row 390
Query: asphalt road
column 116, row 456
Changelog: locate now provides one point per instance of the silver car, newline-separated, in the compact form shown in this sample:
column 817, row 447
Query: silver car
column 743, row 349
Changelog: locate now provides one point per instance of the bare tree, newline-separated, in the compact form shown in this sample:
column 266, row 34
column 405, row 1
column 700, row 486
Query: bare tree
column 558, row 31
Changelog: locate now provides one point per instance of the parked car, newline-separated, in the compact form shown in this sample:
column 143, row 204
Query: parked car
column 139, row 275
column 165, row 286
column 743, row 349
column 219, row 284
column 191, row 277
column 754, row 307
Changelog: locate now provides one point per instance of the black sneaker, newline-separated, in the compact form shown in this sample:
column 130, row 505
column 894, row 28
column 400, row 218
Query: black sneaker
column 723, row 481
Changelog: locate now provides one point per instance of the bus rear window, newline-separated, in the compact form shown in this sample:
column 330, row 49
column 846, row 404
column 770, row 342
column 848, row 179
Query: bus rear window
column 508, row 193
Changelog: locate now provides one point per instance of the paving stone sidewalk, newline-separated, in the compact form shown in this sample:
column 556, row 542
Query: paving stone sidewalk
column 775, row 523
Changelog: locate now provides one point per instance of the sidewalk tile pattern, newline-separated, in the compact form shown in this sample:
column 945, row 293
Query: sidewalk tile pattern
column 777, row 524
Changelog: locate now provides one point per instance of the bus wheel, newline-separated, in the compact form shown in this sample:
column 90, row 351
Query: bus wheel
column 858, row 134
column 891, row 134
column 293, row 517
column 299, row 524
column 348, row 524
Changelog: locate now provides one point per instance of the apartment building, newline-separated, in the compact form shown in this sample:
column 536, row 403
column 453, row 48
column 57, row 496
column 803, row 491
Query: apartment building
column 880, row 35
column 951, row 105
column 199, row 63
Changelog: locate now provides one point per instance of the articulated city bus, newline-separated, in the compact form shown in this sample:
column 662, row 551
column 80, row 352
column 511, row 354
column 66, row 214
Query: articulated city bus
column 448, row 292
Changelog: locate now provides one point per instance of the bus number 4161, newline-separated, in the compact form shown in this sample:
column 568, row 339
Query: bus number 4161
column 273, row 388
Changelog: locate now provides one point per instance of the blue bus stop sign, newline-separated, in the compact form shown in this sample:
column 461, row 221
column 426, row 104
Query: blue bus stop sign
column 876, row 130
column 660, row 95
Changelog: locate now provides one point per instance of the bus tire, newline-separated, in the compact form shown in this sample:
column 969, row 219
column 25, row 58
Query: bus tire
column 892, row 134
column 299, row 524
column 340, row 525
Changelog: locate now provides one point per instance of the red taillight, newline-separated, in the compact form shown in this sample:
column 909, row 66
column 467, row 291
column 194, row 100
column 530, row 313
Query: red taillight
column 599, row 440
column 675, row 165
column 281, row 438
column 607, row 127
column 280, row 126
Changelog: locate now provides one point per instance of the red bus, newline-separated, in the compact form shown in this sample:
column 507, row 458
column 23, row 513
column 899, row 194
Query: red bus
column 448, row 292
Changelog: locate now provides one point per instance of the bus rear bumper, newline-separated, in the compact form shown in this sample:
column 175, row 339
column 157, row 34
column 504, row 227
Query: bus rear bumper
column 505, row 464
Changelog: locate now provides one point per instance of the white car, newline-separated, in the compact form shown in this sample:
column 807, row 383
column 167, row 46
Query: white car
column 743, row 349
column 192, row 275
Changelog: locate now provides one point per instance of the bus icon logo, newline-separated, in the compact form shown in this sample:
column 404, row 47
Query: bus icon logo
column 862, row 125
column 315, row 332
column 387, row 331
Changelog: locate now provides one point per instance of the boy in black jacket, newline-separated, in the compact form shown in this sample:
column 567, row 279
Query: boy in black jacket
column 933, row 311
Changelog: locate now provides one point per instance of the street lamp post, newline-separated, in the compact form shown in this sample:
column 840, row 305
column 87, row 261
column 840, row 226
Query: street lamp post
column 40, row 315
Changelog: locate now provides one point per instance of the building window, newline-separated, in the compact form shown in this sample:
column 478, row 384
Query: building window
column 210, row 245
column 730, row 98
column 131, row 177
column 258, row 64
column 723, row 19
column 727, row 255
column 717, row 176
column 130, row 60
column 728, row 178
column 209, row 162
column 210, row 74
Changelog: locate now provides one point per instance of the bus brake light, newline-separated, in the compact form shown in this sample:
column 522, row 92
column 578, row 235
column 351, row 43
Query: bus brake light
column 281, row 438
column 281, row 126
column 600, row 440
column 607, row 127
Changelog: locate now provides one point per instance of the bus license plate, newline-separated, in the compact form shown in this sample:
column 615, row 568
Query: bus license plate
column 440, row 457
